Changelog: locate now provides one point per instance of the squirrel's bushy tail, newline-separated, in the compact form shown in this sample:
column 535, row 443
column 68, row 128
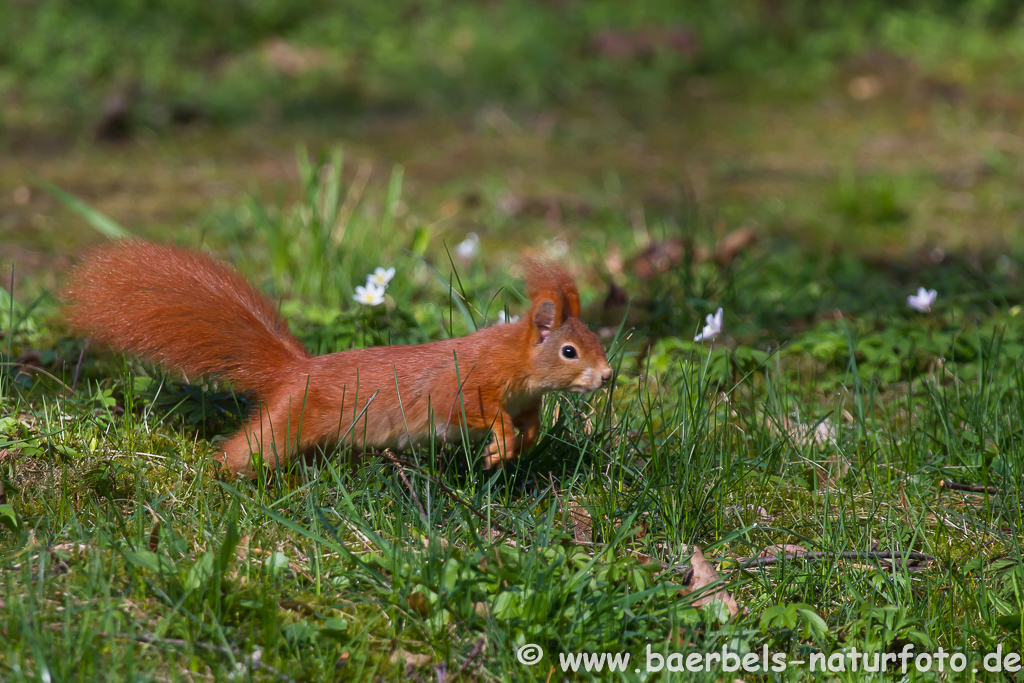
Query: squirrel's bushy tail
column 184, row 310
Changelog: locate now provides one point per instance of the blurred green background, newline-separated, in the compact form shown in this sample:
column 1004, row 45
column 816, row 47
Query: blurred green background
column 884, row 127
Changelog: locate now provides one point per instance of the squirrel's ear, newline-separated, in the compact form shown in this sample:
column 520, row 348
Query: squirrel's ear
column 544, row 319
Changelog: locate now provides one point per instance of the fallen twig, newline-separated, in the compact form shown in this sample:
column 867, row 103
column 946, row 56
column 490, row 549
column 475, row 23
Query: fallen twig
column 846, row 555
column 970, row 488
column 401, row 473
column 22, row 367
column 474, row 653
column 78, row 366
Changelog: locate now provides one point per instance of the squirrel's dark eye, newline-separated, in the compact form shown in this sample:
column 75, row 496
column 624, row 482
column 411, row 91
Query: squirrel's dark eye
column 569, row 351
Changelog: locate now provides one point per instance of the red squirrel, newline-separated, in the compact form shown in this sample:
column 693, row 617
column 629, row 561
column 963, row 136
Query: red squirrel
column 189, row 312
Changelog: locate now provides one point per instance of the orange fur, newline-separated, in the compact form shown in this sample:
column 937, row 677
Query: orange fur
column 189, row 312
column 549, row 281
column 183, row 310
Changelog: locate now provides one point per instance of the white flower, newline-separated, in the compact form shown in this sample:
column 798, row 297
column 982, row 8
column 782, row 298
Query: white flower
column 712, row 329
column 467, row 248
column 502, row 318
column 923, row 300
column 370, row 295
column 380, row 277
column 556, row 249
column 245, row 663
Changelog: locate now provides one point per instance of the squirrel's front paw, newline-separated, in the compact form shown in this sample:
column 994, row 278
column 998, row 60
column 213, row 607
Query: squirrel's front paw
column 493, row 456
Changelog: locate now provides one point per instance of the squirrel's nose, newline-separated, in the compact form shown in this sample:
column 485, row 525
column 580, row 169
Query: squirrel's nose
column 606, row 375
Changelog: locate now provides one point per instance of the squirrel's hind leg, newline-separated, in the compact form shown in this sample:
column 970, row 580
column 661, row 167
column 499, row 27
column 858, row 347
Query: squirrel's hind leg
column 271, row 432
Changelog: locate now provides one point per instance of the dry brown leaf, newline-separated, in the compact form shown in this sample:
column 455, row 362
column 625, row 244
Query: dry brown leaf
column 443, row 542
column 616, row 298
column 640, row 528
column 661, row 257
column 293, row 60
column 22, row 195
column 645, row 42
column 681, row 638
column 419, row 603
column 154, row 537
column 482, row 609
column 582, row 524
column 865, row 87
column 613, row 261
column 242, row 549
column 550, row 208
column 704, row 575
column 733, row 243
column 804, row 434
column 116, row 121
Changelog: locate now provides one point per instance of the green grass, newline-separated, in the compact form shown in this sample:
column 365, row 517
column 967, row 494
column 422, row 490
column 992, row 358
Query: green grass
column 824, row 417
column 125, row 557
column 178, row 60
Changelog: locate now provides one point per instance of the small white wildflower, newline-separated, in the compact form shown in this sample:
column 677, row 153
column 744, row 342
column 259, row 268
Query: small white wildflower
column 245, row 664
column 923, row 300
column 468, row 248
column 556, row 249
column 370, row 295
column 503, row 318
column 380, row 277
column 712, row 329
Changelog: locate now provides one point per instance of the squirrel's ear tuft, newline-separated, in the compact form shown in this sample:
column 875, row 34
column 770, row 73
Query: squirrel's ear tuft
column 547, row 280
column 544, row 320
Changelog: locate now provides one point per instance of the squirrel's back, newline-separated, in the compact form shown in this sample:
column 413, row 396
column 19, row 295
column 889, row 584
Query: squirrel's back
column 183, row 309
